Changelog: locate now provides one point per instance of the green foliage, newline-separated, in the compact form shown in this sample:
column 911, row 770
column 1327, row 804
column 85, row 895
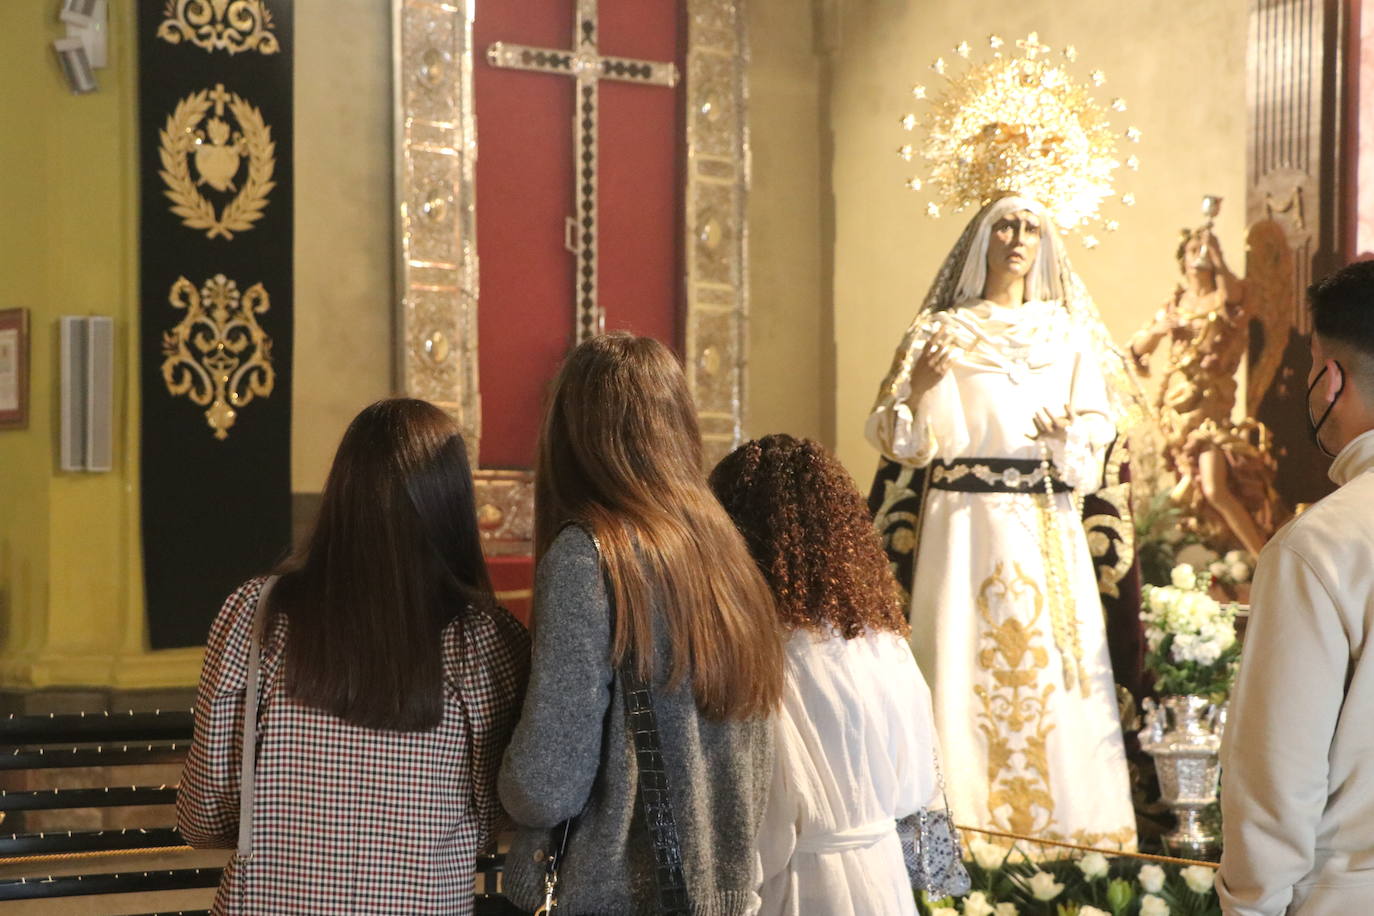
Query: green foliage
column 1158, row 538
column 1120, row 895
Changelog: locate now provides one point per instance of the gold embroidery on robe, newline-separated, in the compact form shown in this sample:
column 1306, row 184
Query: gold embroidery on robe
column 1014, row 717
column 1101, row 528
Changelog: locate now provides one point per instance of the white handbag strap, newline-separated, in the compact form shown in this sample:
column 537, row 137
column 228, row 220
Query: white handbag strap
column 248, row 762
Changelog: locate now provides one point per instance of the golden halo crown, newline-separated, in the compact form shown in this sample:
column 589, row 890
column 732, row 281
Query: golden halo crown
column 1020, row 123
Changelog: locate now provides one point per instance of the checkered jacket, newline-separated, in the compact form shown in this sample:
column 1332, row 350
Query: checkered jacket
column 349, row 819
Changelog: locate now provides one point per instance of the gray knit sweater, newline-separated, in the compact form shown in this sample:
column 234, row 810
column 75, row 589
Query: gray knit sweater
column 570, row 757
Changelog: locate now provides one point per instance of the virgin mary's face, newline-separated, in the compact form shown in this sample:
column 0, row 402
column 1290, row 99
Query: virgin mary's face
column 1013, row 245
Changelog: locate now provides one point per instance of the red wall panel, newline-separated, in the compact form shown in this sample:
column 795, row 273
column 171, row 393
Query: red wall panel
column 640, row 172
column 525, row 192
column 524, row 189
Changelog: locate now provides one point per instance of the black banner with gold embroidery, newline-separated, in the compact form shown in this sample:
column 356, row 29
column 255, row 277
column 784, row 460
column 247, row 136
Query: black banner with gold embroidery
column 215, row 260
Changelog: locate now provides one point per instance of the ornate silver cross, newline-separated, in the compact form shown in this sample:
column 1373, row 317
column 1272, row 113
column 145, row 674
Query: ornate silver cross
column 585, row 64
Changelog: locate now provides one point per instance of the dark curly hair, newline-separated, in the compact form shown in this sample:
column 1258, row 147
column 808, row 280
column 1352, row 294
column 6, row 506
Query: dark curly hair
column 811, row 534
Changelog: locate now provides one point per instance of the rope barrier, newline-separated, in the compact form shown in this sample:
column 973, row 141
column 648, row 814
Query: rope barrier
column 92, row 854
column 1115, row 853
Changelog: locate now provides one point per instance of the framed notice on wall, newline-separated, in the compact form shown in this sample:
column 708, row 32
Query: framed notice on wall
column 14, row 368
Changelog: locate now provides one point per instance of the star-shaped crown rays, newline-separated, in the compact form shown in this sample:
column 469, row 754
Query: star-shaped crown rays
column 1020, row 123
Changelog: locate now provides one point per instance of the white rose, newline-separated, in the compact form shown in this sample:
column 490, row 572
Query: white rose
column 1240, row 572
column 1184, row 647
column 1150, row 905
column 944, row 911
column 1007, row 909
column 1044, row 887
column 1199, row 878
column 1151, row 878
column 1218, row 570
column 987, row 855
column 976, row 904
column 1183, row 577
column 1093, row 865
column 1235, row 556
column 1206, row 652
column 1092, row 911
column 1226, row 638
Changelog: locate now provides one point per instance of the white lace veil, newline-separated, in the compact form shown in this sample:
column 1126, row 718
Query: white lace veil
column 961, row 278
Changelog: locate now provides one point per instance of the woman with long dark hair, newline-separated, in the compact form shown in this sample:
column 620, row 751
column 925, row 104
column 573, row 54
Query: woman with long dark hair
column 387, row 683
column 856, row 743
column 641, row 576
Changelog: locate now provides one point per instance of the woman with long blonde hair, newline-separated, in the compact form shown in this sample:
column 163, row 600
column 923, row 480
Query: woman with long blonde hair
column 641, row 579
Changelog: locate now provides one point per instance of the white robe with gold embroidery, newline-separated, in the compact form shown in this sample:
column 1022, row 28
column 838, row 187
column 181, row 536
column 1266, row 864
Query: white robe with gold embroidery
column 1026, row 711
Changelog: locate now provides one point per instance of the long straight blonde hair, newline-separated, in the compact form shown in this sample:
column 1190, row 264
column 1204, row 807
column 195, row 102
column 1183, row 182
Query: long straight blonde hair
column 620, row 454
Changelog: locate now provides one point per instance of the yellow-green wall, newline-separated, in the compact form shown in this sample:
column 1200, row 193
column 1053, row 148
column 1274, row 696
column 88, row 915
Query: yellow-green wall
column 70, row 583
column 71, row 599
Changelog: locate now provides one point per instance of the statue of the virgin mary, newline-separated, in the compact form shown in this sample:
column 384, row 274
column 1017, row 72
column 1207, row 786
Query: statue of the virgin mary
column 996, row 423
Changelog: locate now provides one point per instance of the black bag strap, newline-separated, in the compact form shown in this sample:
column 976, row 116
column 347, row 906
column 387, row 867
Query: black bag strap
column 654, row 799
column 249, row 749
column 653, row 795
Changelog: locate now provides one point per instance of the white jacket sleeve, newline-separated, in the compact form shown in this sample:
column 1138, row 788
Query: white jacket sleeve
column 1278, row 737
column 915, row 745
column 777, row 838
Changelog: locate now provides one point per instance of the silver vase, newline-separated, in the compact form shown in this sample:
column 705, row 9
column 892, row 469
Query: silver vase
column 1183, row 735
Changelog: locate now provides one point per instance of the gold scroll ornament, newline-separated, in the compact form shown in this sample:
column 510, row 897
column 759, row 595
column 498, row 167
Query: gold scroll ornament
column 218, row 356
column 216, row 151
column 220, row 25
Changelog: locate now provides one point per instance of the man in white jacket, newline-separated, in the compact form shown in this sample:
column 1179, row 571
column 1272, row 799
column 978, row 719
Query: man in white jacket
column 1298, row 756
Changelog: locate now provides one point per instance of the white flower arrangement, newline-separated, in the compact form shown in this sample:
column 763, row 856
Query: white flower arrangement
column 1094, row 865
column 1150, row 905
column 1233, row 569
column 976, row 904
column 1191, row 637
column 1199, row 878
column 1010, row 882
column 1151, row 878
column 1044, row 887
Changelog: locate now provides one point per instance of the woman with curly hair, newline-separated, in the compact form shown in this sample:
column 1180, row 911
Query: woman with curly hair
column 855, row 738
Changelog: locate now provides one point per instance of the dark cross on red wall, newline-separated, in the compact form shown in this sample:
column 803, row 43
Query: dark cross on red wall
column 587, row 66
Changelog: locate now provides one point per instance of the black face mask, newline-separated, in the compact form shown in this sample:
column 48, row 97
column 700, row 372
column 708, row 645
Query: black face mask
column 1315, row 426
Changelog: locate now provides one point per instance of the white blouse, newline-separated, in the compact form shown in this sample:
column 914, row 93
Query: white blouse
column 855, row 751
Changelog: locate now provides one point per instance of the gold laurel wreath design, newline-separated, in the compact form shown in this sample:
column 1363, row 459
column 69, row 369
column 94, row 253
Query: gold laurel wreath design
column 177, row 143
